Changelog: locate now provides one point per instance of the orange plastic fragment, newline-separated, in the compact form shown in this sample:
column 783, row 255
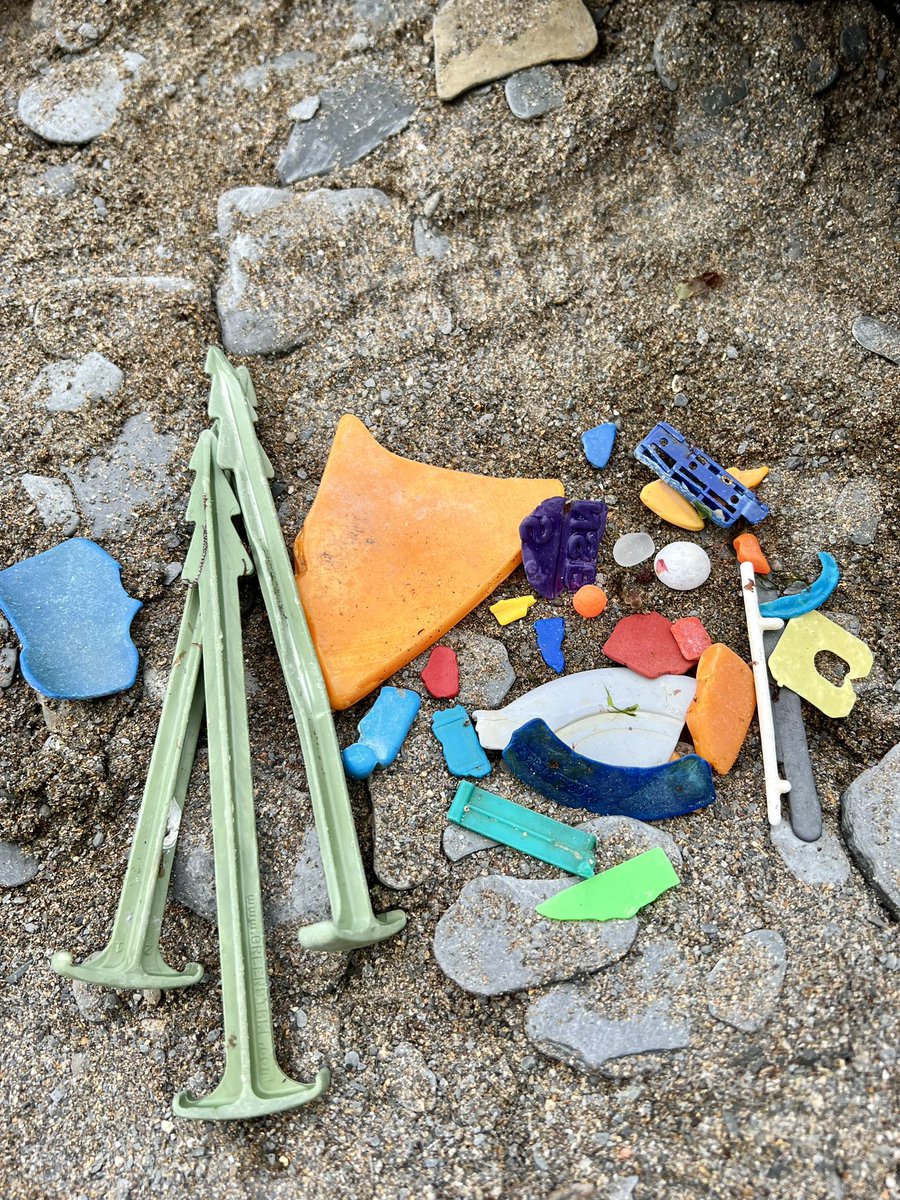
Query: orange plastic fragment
column 749, row 550
column 721, row 711
column 670, row 506
column 751, row 477
column 589, row 601
column 394, row 553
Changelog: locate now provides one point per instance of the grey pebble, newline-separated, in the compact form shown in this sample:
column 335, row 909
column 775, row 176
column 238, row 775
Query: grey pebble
column 75, row 102
column 53, row 500
column 854, row 42
column 9, row 657
column 818, row 863
column 870, row 821
column 16, row 867
column 428, row 243
column 171, row 572
column 879, row 337
column 70, row 384
column 305, row 109
column 743, row 987
column 459, row 843
column 534, row 92
column 61, row 180
column 95, row 1003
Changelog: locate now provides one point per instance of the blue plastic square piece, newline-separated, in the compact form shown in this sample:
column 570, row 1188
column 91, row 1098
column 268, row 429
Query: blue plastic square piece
column 699, row 478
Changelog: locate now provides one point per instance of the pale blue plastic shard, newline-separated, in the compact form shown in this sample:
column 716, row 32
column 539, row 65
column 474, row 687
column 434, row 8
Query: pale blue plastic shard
column 72, row 616
column 382, row 732
column 549, row 632
column 598, row 443
column 463, row 754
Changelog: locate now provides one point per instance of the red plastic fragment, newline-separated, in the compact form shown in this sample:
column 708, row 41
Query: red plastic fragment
column 441, row 673
column 645, row 643
column 691, row 637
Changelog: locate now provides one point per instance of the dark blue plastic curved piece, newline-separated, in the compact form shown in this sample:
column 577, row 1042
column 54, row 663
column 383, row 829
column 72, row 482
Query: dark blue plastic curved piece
column 72, row 616
column 537, row 756
column 812, row 597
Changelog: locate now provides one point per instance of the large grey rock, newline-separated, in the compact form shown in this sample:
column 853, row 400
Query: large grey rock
column 53, row 500
column 67, row 385
column 492, row 941
column 879, row 337
column 870, row 820
column 351, row 121
column 534, row 92
column 743, row 987
column 75, row 102
column 16, row 867
column 637, row 1008
column 817, row 863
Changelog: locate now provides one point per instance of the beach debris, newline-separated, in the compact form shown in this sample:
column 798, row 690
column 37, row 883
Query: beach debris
column 462, row 750
column 598, row 443
column 537, row 756
column 514, row 608
column 522, row 829
column 879, row 337
column 633, row 548
column 670, row 507
column 691, row 637
column 441, row 673
column 534, row 92
column 589, row 601
column 723, row 707
column 611, row 715
column 382, row 731
column 699, row 285
column 698, row 477
column 750, row 477
column 560, row 544
column 550, row 632
column 477, row 41
column 359, row 528
column 615, row 893
column 870, row 821
column 743, row 987
column 810, row 598
column 682, row 566
column 70, row 612
column 793, row 662
column 748, row 549
column 644, row 642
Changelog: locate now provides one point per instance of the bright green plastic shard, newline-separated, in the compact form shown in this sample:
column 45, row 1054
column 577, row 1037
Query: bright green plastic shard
column 616, row 893
column 232, row 404
column 253, row 1083
column 515, row 825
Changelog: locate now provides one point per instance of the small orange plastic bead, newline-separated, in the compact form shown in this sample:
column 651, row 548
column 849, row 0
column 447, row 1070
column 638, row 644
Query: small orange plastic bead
column 589, row 601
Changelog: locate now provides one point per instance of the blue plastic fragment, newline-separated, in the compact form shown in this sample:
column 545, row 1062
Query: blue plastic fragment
column 382, row 732
column 537, row 756
column 72, row 616
column 810, row 598
column 699, row 478
column 598, row 443
column 462, row 750
column 549, row 632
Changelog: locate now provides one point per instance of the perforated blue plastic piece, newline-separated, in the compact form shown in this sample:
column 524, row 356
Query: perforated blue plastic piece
column 699, row 478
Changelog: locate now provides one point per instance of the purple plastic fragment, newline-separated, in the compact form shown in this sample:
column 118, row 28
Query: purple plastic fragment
column 559, row 546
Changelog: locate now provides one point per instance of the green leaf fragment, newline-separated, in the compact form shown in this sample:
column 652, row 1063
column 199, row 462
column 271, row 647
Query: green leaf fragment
column 613, row 707
column 616, row 893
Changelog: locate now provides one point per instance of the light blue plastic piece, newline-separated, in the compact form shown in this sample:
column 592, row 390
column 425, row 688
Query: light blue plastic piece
column 382, row 732
column 598, row 443
column 462, row 750
column 72, row 616
column 810, row 598
column 550, row 632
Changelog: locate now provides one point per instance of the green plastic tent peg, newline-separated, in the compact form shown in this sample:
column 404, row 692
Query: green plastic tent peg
column 614, row 894
column 514, row 825
column 132, row 956
column 232, row 405
column 253, row 1083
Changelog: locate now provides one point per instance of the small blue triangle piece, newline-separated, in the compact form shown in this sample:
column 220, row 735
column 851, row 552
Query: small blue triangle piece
column 598, row 443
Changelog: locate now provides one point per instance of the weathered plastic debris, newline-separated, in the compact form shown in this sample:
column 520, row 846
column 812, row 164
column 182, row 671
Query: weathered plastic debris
column 382, row 732
column 598, row 443
column 699, row 478
column 462, row 750
column 537, row 756
column 441, row 673
column 633, row 548
column 748, row 549
column 750, row 477
column 549, row 632
column 691, row 637
column 793, row 662
column 723, row 707
column 616, row 893
column 810, row 598
column 671, row 507
column 644, row 642
column 379, row 527
column 682, row 566
column 589, row 601
column 513, row 609
column 611, row 715
column 523, row 829
column 559, row 544
column 72, row 616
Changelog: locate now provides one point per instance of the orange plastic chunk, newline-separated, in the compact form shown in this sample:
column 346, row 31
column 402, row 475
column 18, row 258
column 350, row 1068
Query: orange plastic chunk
column 589, row 600
column 721, row 712
column 394, row 553
column 748, row 549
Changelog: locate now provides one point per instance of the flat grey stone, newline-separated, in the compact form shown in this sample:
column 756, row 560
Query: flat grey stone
column 67, row 385
column 75, row 102
column 870, row 821
column 61, row 180
column 879, row 337
column 491, row 941
column 247, row 202
column 859, row 510
column 350, row 123
column 305, row 109
column 16, row 867
column 534, row 92
column 820, row 862
column 636, row 1008
column 743, row 987
column 53, row 500
column 171, row 572
column 459, row 843
column 257, row 76
column 427, row 242
column 9, row 657
column 854, row 42
column 621, row 838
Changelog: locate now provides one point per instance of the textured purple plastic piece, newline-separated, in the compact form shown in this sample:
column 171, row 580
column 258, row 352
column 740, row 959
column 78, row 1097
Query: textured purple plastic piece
column 559, row 546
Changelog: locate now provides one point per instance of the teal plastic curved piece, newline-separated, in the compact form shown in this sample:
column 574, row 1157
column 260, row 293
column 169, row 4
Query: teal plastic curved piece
column 72, row 616
column 382, row 732
column 810, row 598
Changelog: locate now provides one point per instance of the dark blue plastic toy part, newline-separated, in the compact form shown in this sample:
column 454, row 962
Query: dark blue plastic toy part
column 549, row 632
column 72, row 616
column 537, row 756
column 699, row 478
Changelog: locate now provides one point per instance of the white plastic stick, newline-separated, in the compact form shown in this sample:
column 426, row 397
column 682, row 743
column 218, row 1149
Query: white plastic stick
column 776, row 787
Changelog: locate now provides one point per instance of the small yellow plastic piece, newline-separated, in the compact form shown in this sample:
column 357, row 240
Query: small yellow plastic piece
column 669, row 506
column 793, row 662
column 750, row 478
column 507, row 611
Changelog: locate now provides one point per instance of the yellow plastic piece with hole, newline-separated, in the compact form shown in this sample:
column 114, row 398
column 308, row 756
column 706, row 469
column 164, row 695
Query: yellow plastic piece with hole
column 793, row 662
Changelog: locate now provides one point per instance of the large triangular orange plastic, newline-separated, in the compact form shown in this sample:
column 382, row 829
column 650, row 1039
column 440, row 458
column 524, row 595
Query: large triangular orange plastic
column 394, row 553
